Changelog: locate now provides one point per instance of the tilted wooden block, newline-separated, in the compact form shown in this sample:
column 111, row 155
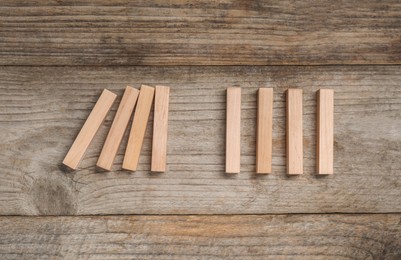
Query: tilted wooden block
column 118, row 128
column 233, row 131
column 160, row 129
column 89, row 129
column 264, row 131
column 138, row 128
column 325, row 131
column 294, row 132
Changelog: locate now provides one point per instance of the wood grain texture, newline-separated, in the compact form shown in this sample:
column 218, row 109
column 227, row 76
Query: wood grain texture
column 244, row 237
column 89, row 129
column 160, row 129
column 264, row 133
column 233, row 130
column 41, row 111
column 138, row 128
column 295, row 149
column 117, row 129
column 325, row 131
column 187, row 32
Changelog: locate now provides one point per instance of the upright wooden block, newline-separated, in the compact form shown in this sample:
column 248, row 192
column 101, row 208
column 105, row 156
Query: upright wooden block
column 325, row 131
column 160, row 129
column 118, row 128
column 233, row 131
column 264, row 131
column 89, row 129
column 294, row 132
column 138, row 128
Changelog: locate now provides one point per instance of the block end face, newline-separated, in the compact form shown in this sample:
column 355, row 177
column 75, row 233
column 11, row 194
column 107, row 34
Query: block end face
column 129, row 167
column 263, row 171
column 157, row 170
column 70, row 165
column 103, row 166
column 108, row 92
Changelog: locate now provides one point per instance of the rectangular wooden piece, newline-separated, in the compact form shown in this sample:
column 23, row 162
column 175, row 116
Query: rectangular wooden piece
column 89, row 129
column 264, row 137
column 325, row 131
column 160, row 129
column 294, row 132
column 233, row 130
column 138, row 128
column 117, row 129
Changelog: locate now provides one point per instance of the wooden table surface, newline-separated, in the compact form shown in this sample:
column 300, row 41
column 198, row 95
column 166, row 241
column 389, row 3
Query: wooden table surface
column 57, row 56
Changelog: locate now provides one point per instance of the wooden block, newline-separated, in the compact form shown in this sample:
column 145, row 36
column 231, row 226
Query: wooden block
column 325, row 131
column 89, row 129
column 264, row 131
column 233, row 131
column 138, row 128
column 118, row 128
column 294, row 132
column 160, row 129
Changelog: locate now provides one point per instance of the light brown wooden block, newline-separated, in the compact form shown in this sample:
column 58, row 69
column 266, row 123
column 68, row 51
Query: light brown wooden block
column 89, row 129
column 233, row 131
column 325, row 131
column 138, row 128
column 118, row 128
column 264, row 131
column 160, row 129
column 294, row 132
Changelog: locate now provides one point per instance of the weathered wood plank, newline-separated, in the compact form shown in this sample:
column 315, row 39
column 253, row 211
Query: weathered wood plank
column 42, row 110
column 186, row 32
column 202, row 237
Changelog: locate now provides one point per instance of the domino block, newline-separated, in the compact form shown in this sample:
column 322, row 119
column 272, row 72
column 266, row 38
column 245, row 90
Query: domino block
column 89, row 129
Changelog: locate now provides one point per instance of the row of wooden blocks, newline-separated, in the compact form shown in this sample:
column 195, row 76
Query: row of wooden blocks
column 132, row 99
column 143, row 101
column 264, row 142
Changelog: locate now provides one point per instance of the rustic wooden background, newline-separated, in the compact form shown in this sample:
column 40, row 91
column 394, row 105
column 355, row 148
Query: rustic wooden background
column 57, row 56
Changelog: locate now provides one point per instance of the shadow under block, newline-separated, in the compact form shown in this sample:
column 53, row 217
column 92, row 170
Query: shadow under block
column 117, row 129
column 325, row 131
column 138, row 128
column 294, row 132
column 264, row 131
column 89, row 129
column 233, row 130
column 160, row 129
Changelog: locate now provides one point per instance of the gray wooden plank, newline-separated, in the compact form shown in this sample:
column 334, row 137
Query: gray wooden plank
column 186, row 32
column 202, row 237
column 43, row 108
